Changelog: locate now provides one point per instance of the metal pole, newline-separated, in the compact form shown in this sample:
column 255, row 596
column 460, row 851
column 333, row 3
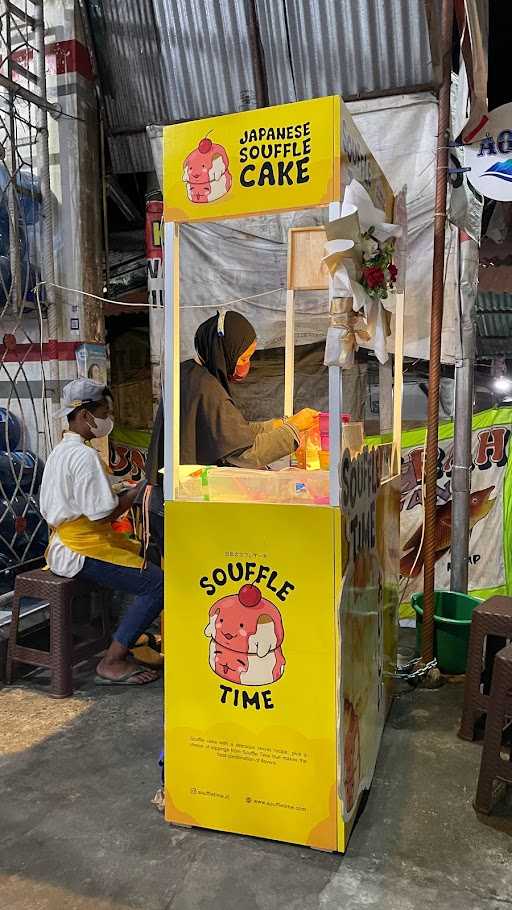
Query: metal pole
column 44, row 178
column 104, row 205
column 43, row 150
column 461, row 474
column 461, row 471
column 12, row 200
column 436, row 324
column 335, row 399
column 171, row 363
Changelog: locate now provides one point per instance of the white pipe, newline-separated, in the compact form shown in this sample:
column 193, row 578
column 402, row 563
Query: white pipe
column 398, row 383
column 289, row 354
column 335, row 398
column 171, row 385
column 335, row 402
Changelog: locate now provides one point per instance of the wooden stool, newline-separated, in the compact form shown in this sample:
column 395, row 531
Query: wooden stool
column 59, row 593
column 492, row 620
column 493, row 766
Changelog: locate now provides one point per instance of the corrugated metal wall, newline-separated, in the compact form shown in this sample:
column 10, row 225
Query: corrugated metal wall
column 208, row 55
column 493, row 318
column 167, row 60
column 128, row 47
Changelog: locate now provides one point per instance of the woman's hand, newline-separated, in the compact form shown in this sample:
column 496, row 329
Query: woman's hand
column 303, row 420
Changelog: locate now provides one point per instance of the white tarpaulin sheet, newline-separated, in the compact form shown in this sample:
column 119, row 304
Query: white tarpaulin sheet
column 402, row 134
column 222, row 262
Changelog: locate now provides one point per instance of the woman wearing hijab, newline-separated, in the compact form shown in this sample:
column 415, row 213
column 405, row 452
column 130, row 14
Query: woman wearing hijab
column 212, row 429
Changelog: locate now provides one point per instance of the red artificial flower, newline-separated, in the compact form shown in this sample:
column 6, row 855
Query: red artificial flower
column 373, row 276
column 393, row 272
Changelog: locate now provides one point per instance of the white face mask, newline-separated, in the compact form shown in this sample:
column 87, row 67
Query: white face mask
column 104, row 426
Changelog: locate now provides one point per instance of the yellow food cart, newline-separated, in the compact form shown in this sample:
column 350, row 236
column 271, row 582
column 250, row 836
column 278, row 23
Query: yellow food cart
column 277, row 735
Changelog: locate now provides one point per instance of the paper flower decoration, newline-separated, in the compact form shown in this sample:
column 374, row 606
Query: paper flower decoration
column 359, row 255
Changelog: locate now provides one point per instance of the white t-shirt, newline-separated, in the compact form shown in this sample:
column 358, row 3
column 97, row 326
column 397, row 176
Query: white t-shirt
column 74, row 484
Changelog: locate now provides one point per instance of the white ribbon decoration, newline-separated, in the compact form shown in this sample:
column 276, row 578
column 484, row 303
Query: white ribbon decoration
column 344, row 257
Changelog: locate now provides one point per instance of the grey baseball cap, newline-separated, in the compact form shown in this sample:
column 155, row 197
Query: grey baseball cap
column 80, row 392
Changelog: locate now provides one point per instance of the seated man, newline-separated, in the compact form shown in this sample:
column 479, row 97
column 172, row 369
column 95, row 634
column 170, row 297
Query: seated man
column 79, row 505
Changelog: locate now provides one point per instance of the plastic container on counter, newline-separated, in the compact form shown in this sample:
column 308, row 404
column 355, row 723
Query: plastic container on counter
column 292, row 486
column 317, row 486
column 324, row 459
column 323, row 423
column 192, row 482
column 314, row 441
column 240, row 485
column 306, row 456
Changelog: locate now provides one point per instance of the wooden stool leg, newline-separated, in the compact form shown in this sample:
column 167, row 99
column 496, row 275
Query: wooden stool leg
column 13, row 637
column 492, row 742
column 61, row 648
column 493, row 646
column 473, row 682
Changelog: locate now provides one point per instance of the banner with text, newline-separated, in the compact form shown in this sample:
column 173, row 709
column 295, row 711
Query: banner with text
column 489, row 511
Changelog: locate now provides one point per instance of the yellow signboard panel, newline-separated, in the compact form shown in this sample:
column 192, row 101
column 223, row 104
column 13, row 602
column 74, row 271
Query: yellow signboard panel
column 250, row 687
column 265, row 160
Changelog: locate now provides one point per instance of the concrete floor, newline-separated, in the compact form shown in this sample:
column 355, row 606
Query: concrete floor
column 78, row 832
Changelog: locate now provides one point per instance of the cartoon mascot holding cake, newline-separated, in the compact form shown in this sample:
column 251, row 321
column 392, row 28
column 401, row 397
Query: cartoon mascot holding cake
column 246, row 633
column 206, row 172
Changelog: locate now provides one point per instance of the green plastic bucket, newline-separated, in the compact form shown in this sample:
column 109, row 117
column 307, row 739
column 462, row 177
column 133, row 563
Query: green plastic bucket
column 452, row 624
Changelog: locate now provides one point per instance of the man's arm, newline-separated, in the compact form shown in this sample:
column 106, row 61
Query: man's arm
column 126, row 501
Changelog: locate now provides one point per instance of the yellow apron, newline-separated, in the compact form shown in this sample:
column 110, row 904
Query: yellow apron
column 98, row 540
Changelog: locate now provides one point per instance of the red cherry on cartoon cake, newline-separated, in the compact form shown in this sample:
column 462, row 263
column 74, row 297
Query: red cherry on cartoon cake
column 205, row 146
column 249, row 596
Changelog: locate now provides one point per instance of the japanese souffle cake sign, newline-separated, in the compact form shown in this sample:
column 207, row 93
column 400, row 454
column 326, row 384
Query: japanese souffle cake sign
column 265, row 160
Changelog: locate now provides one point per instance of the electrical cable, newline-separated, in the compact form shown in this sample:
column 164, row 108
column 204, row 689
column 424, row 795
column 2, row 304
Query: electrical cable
column 150, row 306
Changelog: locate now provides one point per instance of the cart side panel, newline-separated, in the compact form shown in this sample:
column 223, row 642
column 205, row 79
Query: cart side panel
column 253, row 759
column 368, row 625
column 358, row 163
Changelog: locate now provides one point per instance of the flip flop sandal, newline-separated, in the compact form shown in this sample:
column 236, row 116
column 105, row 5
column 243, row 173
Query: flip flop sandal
column 124, row 680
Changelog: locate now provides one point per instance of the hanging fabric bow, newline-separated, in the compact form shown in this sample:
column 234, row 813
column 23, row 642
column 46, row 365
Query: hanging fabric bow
column 348, row 330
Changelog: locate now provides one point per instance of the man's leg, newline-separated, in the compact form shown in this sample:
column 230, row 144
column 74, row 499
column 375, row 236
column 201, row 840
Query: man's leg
column 148, row 587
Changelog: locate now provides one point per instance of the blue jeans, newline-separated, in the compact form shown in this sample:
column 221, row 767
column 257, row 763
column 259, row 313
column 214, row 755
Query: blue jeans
column 147, row 585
